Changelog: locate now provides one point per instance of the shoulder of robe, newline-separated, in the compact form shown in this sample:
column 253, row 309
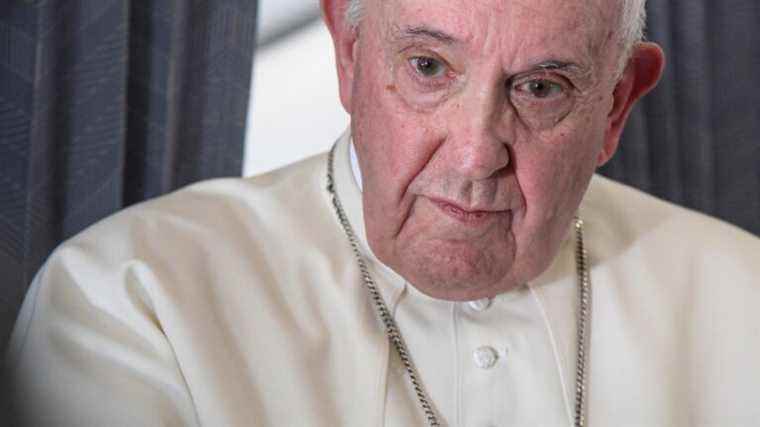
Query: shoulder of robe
column 210, row 213
column 625, row 221
column 139, row 305
column 232, row 232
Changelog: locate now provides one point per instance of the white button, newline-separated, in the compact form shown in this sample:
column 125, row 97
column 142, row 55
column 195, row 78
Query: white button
column 485, row 357
column 480, row 304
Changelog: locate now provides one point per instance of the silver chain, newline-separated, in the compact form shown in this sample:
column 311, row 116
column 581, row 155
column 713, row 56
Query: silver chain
column 394, row 334
column 584, row 317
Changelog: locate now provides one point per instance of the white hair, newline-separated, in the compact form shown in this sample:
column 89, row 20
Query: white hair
column 633, row 17
column 354, row 12
column 633, row 21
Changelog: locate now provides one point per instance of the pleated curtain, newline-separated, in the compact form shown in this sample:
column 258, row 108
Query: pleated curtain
column 696, row 139
column 105, row 103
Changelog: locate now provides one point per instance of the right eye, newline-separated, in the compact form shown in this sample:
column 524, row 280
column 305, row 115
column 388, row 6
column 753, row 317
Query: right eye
column 428, row 67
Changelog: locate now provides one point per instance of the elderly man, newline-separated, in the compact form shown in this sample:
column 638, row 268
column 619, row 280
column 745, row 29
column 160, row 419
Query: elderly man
column 452, row 261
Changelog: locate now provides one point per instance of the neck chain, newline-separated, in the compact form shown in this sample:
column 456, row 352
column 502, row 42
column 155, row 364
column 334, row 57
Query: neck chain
column 394, row 334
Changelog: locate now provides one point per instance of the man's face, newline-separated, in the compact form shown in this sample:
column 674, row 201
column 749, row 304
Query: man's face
column 478, row 125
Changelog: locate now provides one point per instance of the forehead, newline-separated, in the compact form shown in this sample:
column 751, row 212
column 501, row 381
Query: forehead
column 511, row 27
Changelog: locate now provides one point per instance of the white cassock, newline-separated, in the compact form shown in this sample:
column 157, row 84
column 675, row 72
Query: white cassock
column 237, row 302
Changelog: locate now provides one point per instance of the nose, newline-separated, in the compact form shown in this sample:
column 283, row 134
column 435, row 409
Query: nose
column 481, row 145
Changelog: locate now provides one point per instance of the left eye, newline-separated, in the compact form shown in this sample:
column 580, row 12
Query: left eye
column 541, row 88
column 428, row 67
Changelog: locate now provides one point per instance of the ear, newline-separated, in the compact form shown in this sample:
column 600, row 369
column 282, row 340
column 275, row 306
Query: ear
column 641, row 75
column 344, row 41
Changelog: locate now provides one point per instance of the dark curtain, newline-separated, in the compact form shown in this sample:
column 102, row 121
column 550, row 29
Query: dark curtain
column 104, row 103
column 696, row 139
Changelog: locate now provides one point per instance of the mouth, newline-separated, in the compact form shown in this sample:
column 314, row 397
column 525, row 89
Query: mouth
column 465, row 215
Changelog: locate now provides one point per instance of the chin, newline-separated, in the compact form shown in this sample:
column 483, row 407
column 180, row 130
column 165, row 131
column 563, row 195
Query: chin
column 459, row 275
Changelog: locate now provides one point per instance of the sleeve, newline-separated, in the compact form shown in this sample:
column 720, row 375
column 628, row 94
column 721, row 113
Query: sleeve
column 88, row 348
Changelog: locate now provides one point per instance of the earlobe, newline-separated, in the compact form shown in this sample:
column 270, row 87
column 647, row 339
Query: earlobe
column 344, row 38
column 641, row 75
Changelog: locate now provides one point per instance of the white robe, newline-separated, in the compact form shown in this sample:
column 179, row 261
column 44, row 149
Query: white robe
column 237, row 302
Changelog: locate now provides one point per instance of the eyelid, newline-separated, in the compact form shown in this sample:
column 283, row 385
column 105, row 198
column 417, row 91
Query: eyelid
column 539, row 75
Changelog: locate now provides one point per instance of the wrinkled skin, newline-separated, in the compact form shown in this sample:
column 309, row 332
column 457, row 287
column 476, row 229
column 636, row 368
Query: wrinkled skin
column 478, row 125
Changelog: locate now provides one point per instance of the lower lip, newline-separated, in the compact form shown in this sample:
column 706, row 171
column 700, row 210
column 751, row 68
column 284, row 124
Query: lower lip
column 467, row 217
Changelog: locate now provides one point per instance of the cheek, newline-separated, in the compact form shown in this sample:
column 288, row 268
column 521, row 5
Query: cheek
column 394, row 142
column 553, row 173
column 394, row 146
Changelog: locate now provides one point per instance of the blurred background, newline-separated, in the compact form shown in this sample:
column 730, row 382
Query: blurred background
column 294, row 110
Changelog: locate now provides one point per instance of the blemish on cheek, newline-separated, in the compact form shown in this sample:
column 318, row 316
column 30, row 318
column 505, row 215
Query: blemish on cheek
column 390, row 88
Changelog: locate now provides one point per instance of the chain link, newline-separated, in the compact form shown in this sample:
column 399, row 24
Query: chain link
column 394, row 334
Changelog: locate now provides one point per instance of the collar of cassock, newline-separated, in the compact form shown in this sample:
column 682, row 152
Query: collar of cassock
column 347, row 178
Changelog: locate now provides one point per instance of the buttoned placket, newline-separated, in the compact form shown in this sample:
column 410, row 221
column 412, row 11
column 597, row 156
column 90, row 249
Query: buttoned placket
column 510, row 376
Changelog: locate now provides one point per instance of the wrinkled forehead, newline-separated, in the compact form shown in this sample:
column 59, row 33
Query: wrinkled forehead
column 572, row 25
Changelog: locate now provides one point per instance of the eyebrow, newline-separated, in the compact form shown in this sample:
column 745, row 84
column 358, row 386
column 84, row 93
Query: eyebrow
column 425, row 32
column 557, row 65
column 552, row 65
